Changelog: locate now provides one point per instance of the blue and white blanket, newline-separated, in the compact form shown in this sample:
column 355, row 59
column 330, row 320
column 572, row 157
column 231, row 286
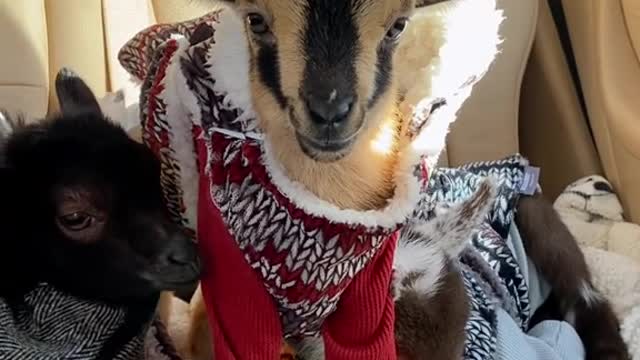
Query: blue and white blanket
column 491, row 272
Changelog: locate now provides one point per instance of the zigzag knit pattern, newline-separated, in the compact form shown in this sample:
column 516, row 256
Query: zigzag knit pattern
column 47, row 324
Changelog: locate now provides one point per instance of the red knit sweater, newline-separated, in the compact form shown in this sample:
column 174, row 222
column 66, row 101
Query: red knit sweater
column 244, row 320
column 245, row 324
column 278, row 262
column 273, row 268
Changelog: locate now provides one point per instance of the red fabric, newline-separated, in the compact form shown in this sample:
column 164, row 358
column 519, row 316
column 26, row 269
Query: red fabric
column 362, row 328
column 242, row 314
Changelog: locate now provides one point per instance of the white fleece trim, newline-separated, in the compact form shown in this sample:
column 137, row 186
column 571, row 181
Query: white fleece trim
column 229, row 62
column 428, row 144
column 431, row 141
column 472, row 33
column 446, row 45
column 183, row 94
column 398, row 209
column 180, row 136
column 460, row 30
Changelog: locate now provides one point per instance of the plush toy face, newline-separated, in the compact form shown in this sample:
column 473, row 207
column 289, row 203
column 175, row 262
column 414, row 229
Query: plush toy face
column 323, row 70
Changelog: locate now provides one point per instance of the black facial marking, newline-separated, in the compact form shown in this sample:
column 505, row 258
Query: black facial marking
column 331, row 47
column 269, row 69
column 383, row 73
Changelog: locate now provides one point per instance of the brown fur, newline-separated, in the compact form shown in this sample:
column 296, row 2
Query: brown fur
column 556, row 254
column 164, row 306
column 431, row 305
column 361, row 180
column 199, row 335
column 432, row 327
column 429, row 2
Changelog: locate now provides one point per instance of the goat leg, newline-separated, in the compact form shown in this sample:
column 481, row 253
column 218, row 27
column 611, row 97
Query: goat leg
column 556, row 254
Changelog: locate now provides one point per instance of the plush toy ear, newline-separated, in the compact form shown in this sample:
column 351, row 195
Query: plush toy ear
column 423, row 3
column 74, row 95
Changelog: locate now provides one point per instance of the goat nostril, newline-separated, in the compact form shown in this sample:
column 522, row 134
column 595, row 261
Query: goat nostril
column 343, row 109
column 329, row 111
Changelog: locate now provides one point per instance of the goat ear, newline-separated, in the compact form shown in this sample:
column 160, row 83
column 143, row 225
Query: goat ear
column 6, row 126
column 423, row 3
column 74, row 95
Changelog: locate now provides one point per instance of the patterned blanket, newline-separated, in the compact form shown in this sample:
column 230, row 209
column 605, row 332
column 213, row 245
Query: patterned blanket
column 491, row 273
column 46, row 324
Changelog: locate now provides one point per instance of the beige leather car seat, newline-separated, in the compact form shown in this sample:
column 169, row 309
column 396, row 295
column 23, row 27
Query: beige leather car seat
column 487, row 127
column 37, row 37
column 554, row 132
column 605, row 36
column 24, row 67
column 44, row 35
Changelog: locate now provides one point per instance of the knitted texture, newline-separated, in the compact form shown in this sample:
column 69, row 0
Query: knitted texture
column 305, row 263
column 279, row 262
column 491, row 274
column 47, row 324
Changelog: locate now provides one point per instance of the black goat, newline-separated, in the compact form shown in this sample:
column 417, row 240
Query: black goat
column 81, row 209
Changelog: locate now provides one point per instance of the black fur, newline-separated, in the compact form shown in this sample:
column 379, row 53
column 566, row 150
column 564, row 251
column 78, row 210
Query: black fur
column 331, row 47
column 383, row 73
column 269, row 70
column 421, row 3
column 135, row 254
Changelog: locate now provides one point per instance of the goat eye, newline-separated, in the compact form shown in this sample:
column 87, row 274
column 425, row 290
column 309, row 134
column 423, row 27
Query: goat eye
column 397, row 29
column 75, row 221
column 257, row 23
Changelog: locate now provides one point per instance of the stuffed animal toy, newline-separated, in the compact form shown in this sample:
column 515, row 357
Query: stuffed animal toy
column 631, row 332
column 618, row 277
column 592, row 212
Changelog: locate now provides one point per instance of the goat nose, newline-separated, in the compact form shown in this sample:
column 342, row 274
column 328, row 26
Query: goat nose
column 327, row 110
